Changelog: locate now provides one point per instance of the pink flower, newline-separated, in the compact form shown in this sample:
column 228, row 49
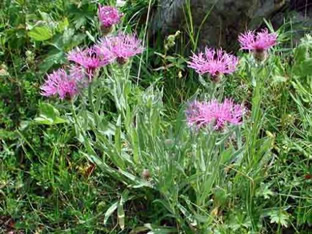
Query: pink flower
column 201, row 114
column 86, row 58
column 123, row 46
column 108, row 16
column 104, row 55
column 61, row 84
column 78, row 74
column 261, row 41
column 214, row 62
column 90, row 58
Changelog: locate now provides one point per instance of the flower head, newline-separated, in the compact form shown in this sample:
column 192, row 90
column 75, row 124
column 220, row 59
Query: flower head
column 78, row 74
column 86, row 58
column 122, row 46
column 261, row 41
column 201, row 114
column 108, row 16
column 214, row 62
column 61, row 84
column 90, row 58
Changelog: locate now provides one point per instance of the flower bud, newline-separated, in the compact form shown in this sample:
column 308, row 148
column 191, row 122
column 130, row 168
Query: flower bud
column 146, row 174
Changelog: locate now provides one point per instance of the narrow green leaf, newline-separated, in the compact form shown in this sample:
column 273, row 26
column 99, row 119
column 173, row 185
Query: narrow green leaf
column 110, row 211
column 135, row 146
column 121, row 216
column 117, row 135
column 90, row 36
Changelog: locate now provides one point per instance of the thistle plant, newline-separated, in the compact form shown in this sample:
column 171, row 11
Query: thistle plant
column 214, row 62
column 201, row 114
column 191, row 164
column 155, row 145
column 90, row 58
column 122, row 46
column 64, row 84
column 108, row 17
column 258, row 43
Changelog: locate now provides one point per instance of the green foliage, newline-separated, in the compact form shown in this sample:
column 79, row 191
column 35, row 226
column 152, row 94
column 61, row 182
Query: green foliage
column 120, row 157
column 40, row 33
column 49, row 115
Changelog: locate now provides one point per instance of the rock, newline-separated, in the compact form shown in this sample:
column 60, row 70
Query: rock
column 219, row 21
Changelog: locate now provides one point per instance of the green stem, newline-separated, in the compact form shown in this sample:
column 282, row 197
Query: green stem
column 74, row 114
column 81, row 131
column 90, row 97
column 120, row 82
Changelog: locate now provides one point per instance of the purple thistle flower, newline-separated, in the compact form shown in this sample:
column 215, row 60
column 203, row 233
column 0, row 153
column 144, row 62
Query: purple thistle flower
column 259, row 42
column 123, row 46
column 109, row 16
column 201, row 114
column 214, row 62
column 90, row 59
column 104, row 55
column 79, row 74
column 86, row 58
column 61, row 84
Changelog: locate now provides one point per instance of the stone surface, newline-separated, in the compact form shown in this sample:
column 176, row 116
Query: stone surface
column 225, row 18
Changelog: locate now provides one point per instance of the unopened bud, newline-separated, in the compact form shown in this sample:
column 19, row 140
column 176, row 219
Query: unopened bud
column 3, row 70
column 146, row 174
column 169, row 142
column 180, row 74
column 28, row 53
column 269, row 134
column 29, row 56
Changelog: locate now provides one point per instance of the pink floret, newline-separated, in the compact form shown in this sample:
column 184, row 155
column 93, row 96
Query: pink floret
column 122, row 46
column 214, row 62
column 79, row 74
column 90, row 58
column 86, row 58
column 202, row 114
column 109, row 16
column 61, row 84
column 260, row 41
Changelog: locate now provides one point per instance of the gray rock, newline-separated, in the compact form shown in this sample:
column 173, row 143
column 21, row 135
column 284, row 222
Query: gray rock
column 218, row 21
